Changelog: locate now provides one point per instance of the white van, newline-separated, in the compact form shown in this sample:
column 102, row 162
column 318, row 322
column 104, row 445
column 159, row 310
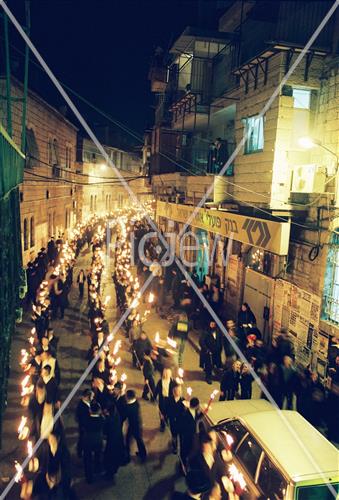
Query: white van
column 264, row 460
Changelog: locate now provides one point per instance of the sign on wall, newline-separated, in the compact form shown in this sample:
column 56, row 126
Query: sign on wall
column 270, row 235
column 298, row 311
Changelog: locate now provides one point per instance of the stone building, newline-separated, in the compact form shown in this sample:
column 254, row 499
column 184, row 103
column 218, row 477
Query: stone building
column 48, row 197
column 272, row 235
column 102, row 190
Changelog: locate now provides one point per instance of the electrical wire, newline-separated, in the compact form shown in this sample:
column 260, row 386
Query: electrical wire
column 69, row 181
column 81, row 173
column 140, row 139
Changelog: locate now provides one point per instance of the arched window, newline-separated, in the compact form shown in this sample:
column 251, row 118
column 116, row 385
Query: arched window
column 32, row 232
column 32, row 149
column 331, row 284
column 50, row 225
column 95, row 203
column 25, row 234
column 91, row 207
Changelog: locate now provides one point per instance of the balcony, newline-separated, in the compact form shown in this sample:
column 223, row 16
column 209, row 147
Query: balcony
column 202, row 158
column 158, row 77
column 190, row 112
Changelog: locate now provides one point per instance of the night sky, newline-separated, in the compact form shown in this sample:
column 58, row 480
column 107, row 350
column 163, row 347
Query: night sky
column 102, row 49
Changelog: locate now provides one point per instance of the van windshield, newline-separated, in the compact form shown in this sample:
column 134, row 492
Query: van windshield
column 318, row 492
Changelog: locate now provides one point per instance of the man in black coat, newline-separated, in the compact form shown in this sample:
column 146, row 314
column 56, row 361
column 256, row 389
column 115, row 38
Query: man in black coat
column 51, row 386
column 133, row 415
column 93, row 441
column 188, row 422
column 148, row 373
column 82, row 414
column 114, row 455
column 140, row 346
column 212, row 344
column 119, row 399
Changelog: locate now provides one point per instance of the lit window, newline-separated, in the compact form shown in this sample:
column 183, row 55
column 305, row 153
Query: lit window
column 302, row 98
column 254, row 133
column 331, row 285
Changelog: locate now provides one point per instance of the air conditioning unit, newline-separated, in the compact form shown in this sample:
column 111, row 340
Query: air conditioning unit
column 309, row 178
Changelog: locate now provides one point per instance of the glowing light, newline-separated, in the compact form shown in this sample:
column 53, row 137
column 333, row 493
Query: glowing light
column 151, row 298
column 123, row 377
column 181, row 372
column 116, row 347
column 157, row 338
column 19, row 472
column 29, row 448
column 307, row 142
column 189, row 391
column 172, row 343
column 237, row 476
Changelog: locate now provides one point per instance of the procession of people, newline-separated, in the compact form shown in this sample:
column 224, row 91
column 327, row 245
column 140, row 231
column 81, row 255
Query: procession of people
column 109, row 412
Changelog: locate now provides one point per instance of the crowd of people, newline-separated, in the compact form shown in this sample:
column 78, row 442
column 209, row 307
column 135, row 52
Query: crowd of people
column 49, row 280
column 109, row 412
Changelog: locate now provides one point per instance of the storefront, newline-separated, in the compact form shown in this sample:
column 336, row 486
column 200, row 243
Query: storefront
column 245, row 252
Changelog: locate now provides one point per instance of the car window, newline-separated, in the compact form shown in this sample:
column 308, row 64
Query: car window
column 233, row 432
column 270, row 481
column 249, row 453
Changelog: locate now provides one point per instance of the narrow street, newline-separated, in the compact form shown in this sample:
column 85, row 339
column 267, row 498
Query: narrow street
column 150, row 480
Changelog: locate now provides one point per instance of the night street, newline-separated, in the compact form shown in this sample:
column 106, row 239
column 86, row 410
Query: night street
column 169, row 254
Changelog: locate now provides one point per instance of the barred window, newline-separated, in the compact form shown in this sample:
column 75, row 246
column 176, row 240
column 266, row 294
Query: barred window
column 331, row 285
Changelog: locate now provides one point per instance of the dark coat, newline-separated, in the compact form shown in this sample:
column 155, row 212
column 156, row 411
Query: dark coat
column 133, row 416
column 82, row 414
column 94, row 432
column 114, row 455
column 163, row 401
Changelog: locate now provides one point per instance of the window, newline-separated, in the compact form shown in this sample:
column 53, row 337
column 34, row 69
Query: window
column 317, row 492
column 50, row 149
column 32, row 150
column 25, row 234
column 32, row 232
column 235, row 430
column 68, row 157
column 302, row 98
column 50, row 225
column 54, row 147
column 331, row 284
column 91, row 207
column 254, row 133
column 249, row 453
column 95, row 203
column 271, row 482
column 47, row 194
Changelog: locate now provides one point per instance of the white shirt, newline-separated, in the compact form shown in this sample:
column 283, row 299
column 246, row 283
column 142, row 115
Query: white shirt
column 165, row 387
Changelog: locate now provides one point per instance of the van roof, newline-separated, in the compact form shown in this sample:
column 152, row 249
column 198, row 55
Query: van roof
column 300, row 462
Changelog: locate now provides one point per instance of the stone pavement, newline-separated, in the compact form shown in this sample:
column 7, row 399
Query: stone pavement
column 158, row 477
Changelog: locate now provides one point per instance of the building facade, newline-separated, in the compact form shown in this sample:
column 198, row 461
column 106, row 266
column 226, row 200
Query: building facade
column 102, row 190
column 268, row 224
column 48, row 194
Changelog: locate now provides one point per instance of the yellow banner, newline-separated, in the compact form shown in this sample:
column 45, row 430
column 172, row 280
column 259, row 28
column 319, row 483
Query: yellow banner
column 269, row 235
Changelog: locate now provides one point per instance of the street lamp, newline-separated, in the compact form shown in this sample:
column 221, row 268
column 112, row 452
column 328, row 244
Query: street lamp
column 310, row 142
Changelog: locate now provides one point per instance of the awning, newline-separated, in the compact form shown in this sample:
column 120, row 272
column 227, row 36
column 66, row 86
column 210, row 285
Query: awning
column 269, row 235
